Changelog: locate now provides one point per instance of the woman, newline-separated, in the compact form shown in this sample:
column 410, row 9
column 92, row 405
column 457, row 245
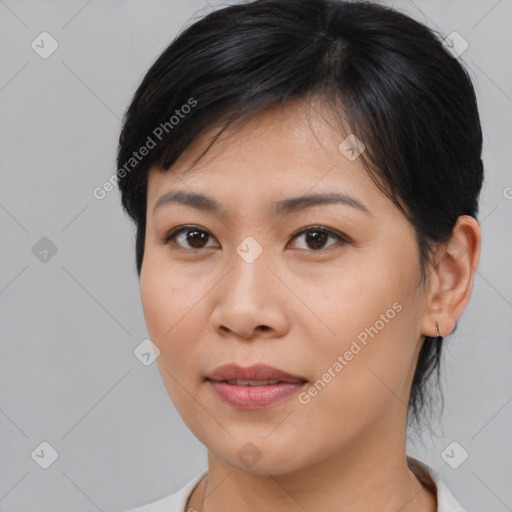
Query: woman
column 304, row 177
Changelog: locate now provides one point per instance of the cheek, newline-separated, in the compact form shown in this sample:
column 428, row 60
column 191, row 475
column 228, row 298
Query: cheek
column 359, row 390
column 374, row 318
column 166, row 323
column 161, row 309
column 155, row 297
column 166, row 295
column 173, row 313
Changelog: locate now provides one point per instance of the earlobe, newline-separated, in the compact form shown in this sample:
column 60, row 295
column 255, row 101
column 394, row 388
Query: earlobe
column 452, row 279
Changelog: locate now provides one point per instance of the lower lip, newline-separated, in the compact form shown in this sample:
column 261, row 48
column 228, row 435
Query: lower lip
column 255, row 397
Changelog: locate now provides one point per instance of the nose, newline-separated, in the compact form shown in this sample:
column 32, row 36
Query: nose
column 250, row 301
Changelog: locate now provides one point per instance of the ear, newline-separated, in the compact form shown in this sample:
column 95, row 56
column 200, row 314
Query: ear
column 451, row 281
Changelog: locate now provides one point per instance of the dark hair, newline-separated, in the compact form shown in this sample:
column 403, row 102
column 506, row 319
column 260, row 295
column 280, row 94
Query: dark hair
column 386, row 75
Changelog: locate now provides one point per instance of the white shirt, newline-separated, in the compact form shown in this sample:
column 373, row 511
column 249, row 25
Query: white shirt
column 177, row 501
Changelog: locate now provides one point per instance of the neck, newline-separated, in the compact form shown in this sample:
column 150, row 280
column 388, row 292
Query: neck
column 374, row 475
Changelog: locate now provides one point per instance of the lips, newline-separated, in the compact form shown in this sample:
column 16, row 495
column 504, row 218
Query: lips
column 256, row 375
column 256, row 387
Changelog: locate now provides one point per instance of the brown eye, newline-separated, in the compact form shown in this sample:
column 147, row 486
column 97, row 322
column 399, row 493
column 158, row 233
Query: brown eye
column 189, row 237
column 196, row 238
column 316, row 237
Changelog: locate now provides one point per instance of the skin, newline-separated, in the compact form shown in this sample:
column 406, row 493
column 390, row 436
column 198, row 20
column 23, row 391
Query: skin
column 296, row 307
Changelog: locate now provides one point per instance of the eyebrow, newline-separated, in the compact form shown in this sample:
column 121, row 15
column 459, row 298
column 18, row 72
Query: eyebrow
column 282, row 207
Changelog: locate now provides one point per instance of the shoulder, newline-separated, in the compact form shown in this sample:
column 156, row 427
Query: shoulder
column 431, row 479
column 174, row 502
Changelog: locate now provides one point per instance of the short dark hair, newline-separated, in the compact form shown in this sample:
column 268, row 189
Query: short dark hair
column 388, row 76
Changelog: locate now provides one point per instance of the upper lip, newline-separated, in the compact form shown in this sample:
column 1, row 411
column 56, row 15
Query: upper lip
column 255, row 372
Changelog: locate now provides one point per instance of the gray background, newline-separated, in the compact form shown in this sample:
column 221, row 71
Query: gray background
column 70, row 324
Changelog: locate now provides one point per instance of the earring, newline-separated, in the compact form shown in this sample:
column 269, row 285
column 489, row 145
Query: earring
column 437, row 331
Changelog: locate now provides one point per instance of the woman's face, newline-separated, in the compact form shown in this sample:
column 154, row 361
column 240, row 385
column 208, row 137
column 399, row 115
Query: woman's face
column 345, row 313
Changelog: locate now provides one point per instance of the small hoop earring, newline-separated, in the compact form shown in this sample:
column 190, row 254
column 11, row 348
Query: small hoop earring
column 437, row 331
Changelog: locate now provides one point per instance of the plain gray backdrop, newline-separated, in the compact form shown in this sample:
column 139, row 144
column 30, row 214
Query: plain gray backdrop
column 70, row 310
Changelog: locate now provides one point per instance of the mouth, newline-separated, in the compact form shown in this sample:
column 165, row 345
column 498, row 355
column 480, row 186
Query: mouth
column 258, row 383
column 252, row 395
column 256, row 375
column 255, row 387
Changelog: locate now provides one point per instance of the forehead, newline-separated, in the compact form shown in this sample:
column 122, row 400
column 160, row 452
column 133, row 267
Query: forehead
column 283, row 151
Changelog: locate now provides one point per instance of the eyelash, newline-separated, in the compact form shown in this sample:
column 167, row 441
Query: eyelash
column 181, row 229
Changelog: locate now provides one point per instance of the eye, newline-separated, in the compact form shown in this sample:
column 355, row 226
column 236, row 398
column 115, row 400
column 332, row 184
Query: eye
column 317, row 236
column 196, row 237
